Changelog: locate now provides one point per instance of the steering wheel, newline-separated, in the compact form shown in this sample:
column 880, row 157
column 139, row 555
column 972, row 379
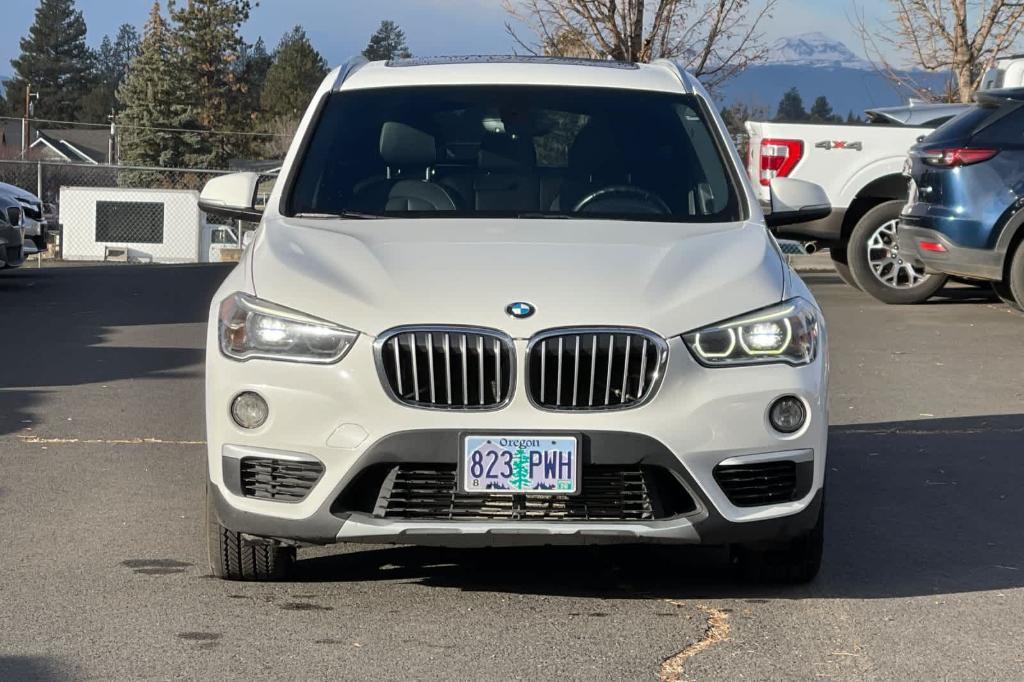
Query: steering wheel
column 627, row 192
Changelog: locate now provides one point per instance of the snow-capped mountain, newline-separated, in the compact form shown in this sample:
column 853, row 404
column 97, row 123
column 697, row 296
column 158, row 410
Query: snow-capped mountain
column 814, row 49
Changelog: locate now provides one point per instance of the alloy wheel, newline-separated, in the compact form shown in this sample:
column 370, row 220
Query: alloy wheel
column 887, row 264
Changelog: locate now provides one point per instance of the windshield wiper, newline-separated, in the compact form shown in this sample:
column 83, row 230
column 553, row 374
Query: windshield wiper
column 348, row 215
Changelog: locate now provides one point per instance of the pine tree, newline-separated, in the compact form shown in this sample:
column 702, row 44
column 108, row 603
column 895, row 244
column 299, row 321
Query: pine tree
column 791, row 107
column 252, row 68
column 206, row 38
column 388, row 42
column 153, row 97
column 111, row 63
column 55, row 60
column 294, row 76
column 850, row 118
column 821, row 111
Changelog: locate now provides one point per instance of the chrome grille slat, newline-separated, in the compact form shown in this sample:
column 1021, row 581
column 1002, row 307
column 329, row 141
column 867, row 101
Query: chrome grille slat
column 643, row 368
column 415, row 375
column 448, row 368
column 593, row 370
column 625, row 368
column 543, row 368
column 625, row 373
column 465, row 374
column 576, row 371
column 608, row 379
column 430, row 365
column 480, row 359
column 558, row 391
column 409, row 363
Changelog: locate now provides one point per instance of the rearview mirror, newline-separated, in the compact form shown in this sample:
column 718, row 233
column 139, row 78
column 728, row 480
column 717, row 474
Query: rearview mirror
column 796, row 201
column 232, row 196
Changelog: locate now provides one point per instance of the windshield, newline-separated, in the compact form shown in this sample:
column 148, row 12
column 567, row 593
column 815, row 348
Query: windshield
column 515, row 151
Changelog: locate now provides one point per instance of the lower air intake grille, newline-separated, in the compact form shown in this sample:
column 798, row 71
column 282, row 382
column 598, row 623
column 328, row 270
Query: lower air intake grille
column 278, row 479
column 594, row 369
column 448, row 368
column 607, row 493
column 756, row 484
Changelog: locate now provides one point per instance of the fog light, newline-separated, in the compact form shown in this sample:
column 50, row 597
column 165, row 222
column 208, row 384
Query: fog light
column 787, row 414
column 249, row 410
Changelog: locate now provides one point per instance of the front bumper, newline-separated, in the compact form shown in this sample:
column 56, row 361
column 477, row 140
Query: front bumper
column 11, row 247
column 341, row 416
column 956, row 259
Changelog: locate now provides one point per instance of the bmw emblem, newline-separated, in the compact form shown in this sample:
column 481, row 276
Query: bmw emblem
column 520, row 310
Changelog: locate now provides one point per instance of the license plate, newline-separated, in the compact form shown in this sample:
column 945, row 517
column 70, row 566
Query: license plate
column 536, row 465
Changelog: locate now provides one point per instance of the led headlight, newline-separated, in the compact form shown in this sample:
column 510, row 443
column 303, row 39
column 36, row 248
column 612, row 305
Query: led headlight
column 786, row 333
column 253, row 328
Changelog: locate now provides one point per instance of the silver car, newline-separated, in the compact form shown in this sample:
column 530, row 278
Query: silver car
column 12, row 233
column 34, row 216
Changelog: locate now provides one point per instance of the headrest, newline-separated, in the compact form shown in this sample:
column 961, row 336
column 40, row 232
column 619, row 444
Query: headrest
column 403, row 145
column 500, row 151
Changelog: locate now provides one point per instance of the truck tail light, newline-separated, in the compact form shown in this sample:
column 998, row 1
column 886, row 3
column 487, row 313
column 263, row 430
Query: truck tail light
column 956, row 156
column 778, row 158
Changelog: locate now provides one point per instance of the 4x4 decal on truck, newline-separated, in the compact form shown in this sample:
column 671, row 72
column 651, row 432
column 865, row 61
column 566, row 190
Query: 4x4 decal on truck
column 839, row 144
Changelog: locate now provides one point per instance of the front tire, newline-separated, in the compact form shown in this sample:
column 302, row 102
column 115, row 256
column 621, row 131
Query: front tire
column 842, row 265
column 234, row 558
column 877, row 265
column 791, row 562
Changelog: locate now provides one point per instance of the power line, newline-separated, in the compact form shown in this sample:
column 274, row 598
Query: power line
column 129, row 126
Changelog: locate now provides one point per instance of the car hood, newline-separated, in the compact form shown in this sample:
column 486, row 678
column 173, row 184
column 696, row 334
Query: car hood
column 17, row 192
column 371, row 275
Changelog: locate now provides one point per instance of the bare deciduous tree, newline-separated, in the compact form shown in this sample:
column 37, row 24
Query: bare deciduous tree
column 963, row 37
column 715, row 39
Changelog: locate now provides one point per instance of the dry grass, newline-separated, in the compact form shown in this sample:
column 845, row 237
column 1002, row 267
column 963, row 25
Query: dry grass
column 717, row 630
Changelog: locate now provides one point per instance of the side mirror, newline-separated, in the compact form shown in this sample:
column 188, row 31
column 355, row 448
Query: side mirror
column 796, row 201
column 232, row 196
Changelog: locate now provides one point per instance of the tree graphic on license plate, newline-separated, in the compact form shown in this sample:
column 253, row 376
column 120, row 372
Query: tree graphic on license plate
column 520, row 478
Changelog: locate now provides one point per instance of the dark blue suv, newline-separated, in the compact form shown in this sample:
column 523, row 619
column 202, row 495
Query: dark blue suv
column 965, row 215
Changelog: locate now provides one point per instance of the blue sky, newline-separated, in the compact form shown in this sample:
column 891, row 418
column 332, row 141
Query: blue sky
column 340, row 28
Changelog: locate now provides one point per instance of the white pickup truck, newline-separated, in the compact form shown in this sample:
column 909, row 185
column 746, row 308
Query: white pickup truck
column 860, row 166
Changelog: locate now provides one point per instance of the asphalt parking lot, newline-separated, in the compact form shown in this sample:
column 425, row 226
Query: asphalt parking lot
column 103, row 572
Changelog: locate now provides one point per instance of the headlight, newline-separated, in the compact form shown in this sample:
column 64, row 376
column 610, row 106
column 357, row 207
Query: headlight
column 252, row 328
column 786, row 333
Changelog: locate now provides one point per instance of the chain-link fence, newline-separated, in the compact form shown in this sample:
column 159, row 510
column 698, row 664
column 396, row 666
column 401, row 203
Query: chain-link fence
column 124, row 213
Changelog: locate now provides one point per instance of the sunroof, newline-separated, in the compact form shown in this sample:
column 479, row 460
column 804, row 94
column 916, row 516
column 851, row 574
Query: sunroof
column 509, row 59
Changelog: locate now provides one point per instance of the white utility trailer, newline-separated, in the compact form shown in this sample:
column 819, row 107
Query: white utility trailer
column 139, row 225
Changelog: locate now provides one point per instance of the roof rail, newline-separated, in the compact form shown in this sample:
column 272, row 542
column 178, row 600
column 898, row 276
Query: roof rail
column 1000, row 96
column 347, row 69
column 677, row 68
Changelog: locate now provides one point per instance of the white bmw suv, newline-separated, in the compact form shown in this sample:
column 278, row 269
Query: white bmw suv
column 508, row 301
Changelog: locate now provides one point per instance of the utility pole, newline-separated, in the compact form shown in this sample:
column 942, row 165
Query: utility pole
column 112, row 140
column 25, row 131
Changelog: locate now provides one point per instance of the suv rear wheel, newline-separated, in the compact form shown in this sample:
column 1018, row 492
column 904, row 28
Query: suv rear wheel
column 1014, row 286
column 877, row 264
column 1002, row 290
column 234, row 558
